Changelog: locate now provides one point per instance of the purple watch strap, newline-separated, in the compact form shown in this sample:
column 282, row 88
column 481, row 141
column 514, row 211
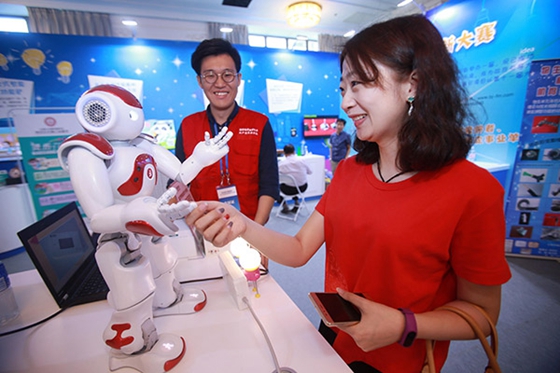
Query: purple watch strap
column 410, row 328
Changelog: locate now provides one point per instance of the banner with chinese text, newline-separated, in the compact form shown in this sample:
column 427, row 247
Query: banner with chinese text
column 533, row 206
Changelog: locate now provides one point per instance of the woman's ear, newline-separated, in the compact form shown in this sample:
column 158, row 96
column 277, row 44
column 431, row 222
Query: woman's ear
column 413, row 81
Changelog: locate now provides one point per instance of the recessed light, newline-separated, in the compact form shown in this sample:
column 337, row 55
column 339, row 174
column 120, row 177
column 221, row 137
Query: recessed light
column 404, row 2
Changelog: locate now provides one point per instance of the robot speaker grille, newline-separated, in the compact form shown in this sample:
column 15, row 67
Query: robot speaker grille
column 97, row 113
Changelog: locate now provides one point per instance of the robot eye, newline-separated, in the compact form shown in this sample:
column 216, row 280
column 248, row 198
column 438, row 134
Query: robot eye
column 97, row 113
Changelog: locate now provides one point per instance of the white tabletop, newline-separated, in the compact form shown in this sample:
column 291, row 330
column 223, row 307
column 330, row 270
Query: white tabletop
column 220, row 338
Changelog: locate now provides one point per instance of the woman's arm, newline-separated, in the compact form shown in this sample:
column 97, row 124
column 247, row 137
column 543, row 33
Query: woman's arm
column 444, row 325
column 221, row 223
column 381, row 325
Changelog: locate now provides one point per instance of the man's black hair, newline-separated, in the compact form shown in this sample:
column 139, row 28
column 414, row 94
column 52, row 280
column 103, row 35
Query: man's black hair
column 289, row 149
column 214, row 47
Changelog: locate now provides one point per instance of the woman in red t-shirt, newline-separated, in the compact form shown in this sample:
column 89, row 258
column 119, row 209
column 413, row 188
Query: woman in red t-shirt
column 408, row 221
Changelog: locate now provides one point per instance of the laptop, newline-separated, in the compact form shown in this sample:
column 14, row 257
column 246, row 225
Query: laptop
column 63, row 252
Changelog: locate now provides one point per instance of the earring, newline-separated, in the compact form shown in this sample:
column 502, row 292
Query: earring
column 410, row 100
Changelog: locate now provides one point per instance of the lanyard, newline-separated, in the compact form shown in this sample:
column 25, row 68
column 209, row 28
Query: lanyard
column 224, row 170
column 224, row 162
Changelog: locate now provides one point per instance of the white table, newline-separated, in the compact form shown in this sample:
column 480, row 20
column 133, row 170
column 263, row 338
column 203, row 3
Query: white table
column 220, row 338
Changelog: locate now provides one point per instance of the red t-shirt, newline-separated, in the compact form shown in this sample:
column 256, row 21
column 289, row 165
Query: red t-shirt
column 403, row 244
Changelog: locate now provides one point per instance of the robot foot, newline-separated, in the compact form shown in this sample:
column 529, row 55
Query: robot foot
column 193, row 300
column 164, row 355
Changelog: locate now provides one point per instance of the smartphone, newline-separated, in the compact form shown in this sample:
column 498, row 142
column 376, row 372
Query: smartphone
column 335, row 310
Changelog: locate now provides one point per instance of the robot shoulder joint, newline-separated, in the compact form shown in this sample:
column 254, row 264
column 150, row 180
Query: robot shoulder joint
column 96, row 144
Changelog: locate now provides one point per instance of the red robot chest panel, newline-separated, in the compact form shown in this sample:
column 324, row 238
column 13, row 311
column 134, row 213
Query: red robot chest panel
column 134, row 173
column 144, row 171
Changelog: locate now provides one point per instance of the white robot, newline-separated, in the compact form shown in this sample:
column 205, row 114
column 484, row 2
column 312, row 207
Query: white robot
column 113, row 168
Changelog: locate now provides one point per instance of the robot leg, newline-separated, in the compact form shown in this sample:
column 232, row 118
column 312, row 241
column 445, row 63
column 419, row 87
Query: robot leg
column 131, row 332
column 170, row 297
column 163, row 259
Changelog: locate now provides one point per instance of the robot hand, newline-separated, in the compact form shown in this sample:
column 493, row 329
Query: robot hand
column 212, row 149
column 205, row 153
column 151, row 217
column 173, row 211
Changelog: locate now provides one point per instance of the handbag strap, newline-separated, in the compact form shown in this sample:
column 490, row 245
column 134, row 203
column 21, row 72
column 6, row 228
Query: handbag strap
column 491, row 349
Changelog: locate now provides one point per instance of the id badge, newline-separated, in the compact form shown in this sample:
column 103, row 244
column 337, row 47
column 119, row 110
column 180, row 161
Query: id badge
column 228, row 194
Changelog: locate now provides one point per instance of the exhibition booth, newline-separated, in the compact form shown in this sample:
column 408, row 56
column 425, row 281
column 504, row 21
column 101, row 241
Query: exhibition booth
column 509, row 58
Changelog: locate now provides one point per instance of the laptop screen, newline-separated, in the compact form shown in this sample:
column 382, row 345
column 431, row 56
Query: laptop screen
column 59, row 243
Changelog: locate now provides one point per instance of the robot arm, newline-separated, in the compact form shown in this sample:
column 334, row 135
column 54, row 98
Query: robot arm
column 90, row 180
column 205, row 153
column 144, row 215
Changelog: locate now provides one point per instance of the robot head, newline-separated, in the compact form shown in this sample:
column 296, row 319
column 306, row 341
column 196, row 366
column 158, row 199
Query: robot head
column 110, row 111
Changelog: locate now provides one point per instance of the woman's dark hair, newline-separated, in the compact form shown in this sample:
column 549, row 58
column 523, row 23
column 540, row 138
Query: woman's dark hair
column 214, row 47
column 433, row 136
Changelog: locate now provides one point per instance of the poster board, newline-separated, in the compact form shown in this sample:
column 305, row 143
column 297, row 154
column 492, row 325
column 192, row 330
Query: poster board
column 533, row 205
column 40, row 134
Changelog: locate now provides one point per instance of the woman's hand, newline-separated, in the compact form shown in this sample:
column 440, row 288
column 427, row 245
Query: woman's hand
column 218, row 222
column 379, row 326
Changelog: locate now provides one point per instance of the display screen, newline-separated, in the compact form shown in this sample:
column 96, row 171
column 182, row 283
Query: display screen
column 319, row 126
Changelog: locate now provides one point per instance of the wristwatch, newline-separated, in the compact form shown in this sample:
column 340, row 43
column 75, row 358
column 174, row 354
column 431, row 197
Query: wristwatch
column 410, row 328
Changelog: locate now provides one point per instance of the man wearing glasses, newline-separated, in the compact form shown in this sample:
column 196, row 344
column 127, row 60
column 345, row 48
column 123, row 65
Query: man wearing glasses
column 250, row 169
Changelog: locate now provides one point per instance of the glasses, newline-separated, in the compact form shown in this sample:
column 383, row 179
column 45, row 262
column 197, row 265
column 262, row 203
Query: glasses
column 211, row 77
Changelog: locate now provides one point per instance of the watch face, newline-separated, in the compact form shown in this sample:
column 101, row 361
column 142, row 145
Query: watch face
column 409, row 339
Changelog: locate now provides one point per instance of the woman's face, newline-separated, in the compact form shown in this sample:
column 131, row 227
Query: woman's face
column 378, row 109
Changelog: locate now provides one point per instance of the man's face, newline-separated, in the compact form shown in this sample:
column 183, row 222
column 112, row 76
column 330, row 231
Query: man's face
column 339, row 127
column 215, row 72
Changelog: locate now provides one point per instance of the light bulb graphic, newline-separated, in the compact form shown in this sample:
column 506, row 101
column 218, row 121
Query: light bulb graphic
column 3, row 62
column 34, row 58
column 65, row 70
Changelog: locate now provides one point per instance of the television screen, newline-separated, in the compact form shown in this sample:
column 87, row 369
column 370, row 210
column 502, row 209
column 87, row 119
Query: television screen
column 319, row 126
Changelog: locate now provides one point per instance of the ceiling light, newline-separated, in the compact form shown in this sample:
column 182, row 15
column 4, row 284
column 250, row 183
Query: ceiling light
column 404, row 2
column 129, row 23
column 304, row 14
column 226, row 29
column 350, row 33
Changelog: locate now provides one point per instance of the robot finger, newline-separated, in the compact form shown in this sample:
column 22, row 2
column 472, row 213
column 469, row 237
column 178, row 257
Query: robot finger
column 207, row 138
column 177, row 210
column 224, row 140
column 166, row 197
column 220, row 135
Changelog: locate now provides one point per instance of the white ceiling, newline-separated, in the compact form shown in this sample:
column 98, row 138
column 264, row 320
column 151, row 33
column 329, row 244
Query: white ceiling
column 261, row 16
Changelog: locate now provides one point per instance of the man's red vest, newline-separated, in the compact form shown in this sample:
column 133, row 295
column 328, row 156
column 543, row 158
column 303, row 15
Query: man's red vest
column 242, row 161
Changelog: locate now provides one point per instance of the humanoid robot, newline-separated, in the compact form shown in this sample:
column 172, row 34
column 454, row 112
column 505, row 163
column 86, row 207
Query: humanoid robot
column 113, row 168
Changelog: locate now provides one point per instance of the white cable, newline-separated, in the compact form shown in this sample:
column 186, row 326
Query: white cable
column 265, row 335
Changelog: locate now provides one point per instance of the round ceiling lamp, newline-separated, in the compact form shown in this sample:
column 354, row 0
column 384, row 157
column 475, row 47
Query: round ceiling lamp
column 304, row 14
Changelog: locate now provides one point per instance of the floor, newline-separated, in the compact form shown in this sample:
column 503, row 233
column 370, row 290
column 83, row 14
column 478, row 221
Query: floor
column 529, row 326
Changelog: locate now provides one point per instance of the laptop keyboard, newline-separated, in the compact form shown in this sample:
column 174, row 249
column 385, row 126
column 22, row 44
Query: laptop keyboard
column 94, row 284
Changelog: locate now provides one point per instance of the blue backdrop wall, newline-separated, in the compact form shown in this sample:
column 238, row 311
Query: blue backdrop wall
column 170, row 90
column 494, row 43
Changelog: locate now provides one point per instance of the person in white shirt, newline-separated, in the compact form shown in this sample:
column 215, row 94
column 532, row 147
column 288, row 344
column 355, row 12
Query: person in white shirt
column 293, row 165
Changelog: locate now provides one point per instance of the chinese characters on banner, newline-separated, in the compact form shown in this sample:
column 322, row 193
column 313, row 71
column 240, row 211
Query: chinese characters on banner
column 482, row 34
column 533, row 209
